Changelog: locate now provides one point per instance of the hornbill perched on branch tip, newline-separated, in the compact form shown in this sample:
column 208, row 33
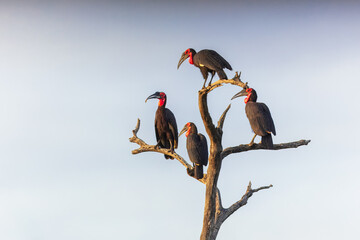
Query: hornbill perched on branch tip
column 259, row 117
column 208, row 61
column 165, row 125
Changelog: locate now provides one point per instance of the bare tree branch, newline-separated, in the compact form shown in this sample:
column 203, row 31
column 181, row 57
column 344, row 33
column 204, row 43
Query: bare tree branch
column 255, row 146
column 137, row 127
column 243, row 201
column 219, row 206
column 222, row 118
column 234, row 81
column 207, row 120
column 144, row 147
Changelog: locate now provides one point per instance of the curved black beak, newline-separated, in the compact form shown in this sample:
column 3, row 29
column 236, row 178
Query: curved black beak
column 184, row 56
column 155, row 95
column 186, row 127
column 240, row 94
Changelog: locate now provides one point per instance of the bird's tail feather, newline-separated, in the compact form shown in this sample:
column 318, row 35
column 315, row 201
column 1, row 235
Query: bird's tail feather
column 221, row 74
column 198, row 171
column 267, row 141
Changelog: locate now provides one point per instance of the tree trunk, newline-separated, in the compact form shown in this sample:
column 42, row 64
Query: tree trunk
column 209, row 230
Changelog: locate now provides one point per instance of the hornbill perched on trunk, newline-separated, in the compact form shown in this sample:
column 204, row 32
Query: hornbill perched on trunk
column 165, row 125
column 208, row 61
column 259, row 117
column 197, row 149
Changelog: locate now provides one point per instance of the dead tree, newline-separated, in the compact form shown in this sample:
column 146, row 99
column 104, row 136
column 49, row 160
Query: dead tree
column 214, row 213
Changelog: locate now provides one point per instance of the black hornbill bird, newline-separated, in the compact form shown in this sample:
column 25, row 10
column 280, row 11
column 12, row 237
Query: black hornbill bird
column 165, row 125
column 259, row 117
column 208, row 61
column 197, row 149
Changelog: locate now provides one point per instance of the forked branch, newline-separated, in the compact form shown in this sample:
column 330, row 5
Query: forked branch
column 243, row 201
column 144, row 147
column 234, row 81
column 205, row 115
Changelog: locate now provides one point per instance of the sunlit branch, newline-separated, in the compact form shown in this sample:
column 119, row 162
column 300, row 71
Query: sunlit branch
column 234, row 81
column 222, row 118
column 144, row 147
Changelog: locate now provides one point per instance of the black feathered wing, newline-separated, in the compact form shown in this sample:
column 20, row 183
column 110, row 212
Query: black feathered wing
column 203, row 149
column 170, row 117
column 211, row 59
column 157, row 133
column 260, row 118
column 268, row 121
column 197, row 148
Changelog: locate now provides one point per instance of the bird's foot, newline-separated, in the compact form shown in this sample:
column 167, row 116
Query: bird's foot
column 157, row 146
column 212, row 76
column 252, row 141
column 171, row 148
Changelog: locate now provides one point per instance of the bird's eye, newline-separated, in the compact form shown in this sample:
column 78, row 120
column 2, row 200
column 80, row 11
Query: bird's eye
column 249, row 90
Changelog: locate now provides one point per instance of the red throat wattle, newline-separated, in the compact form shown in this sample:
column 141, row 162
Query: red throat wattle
column 191, row 58
column 188, row 131
column 248, row 96
column 161, row 101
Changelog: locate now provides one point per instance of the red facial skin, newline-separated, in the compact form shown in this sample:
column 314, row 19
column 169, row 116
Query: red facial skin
column 190, row 56
column 249, row 90
column 188, row 131
column 162, row 99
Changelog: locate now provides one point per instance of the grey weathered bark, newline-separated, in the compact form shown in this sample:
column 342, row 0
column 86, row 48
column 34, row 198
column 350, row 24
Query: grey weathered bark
column 214, row 213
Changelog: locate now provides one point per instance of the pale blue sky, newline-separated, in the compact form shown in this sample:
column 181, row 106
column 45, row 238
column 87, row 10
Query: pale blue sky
column 73, row 80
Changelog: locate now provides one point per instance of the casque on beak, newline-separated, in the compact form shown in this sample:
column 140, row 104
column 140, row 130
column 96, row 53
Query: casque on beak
column 152, row 96
column 184, row 56
column 186, row 127
column 240, row 94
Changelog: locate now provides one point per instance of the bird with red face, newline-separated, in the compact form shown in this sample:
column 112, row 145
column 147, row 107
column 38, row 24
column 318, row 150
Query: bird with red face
column 208, row 61
column 165, row 125
column 259, row 117
column 197, row 149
